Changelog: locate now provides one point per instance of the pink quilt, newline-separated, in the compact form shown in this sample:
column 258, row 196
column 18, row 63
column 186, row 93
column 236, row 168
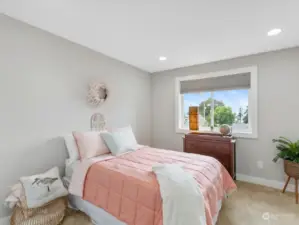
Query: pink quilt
column 126, row 187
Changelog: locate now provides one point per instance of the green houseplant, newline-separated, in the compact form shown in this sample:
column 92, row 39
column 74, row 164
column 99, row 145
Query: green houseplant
column 288, row 150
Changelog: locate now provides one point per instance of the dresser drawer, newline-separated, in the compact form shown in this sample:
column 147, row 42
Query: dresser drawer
column 221, row 148
column 206, row 147
column 192, row 146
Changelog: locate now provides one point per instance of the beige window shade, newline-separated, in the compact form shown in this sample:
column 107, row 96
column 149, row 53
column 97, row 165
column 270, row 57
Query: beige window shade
column 236, row 81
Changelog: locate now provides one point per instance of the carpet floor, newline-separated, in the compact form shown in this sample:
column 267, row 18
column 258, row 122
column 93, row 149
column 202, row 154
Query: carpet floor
column 250, row 205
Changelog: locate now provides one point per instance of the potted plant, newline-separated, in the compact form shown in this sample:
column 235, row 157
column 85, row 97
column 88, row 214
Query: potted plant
column 289, row 152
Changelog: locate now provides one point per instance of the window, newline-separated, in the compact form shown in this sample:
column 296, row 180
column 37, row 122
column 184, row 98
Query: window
column 226, row 97
column 230, row 107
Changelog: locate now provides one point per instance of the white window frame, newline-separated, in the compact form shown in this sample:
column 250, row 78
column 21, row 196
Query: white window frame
column 252, row 100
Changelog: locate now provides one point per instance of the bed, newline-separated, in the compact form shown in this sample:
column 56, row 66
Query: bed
column 118, row 190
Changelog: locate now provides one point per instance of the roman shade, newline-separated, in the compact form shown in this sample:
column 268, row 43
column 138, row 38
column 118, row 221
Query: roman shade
column 230, row 82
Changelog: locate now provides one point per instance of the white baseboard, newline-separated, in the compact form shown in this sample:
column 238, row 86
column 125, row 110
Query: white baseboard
column 5, row 220
column 269, row 183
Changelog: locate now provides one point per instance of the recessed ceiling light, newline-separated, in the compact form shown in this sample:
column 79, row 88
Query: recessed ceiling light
column 162, row 58
column 274, row 32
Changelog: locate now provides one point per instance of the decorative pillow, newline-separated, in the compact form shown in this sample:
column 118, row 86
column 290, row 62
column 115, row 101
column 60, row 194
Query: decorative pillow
column 120, row 140
column 90, row 144
column 43, row 188
column 72, row 148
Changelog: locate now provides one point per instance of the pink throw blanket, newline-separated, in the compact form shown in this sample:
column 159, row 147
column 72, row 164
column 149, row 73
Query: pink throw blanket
column 126, row 187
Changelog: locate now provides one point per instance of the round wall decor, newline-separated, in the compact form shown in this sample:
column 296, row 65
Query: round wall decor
column 97, row 93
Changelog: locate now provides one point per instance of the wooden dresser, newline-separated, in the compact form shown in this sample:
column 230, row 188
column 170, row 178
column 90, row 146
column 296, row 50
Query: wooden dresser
column 221, row 148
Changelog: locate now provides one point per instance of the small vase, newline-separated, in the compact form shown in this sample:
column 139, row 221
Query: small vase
column 193, row 118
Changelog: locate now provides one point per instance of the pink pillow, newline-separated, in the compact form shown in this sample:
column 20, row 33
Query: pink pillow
column 90, row 144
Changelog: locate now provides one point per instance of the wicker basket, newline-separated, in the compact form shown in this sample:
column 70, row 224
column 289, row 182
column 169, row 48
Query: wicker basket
column 49, row 214
column 291, row 169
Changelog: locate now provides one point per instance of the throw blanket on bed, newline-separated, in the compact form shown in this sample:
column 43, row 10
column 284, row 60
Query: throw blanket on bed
column 183, row 202
column 126, row 187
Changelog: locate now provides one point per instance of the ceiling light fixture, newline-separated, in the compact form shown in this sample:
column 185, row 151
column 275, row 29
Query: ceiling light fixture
column 274, row 32
column 162, row 58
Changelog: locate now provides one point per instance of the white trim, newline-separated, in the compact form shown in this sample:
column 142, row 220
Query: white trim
column 212, row 110
column 178, row 102
column 235, row 134
column 5, row 220
column 268, row 183
column 251, row 69
column 252, row 99
column 253, row 103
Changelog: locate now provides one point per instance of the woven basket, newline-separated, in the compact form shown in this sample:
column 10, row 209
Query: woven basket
column 49, row 214
column 291, row 169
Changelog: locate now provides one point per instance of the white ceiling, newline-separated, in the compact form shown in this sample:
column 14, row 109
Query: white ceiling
column 187, row 32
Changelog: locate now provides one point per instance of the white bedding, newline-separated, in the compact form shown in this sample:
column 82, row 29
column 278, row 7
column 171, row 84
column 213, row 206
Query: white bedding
column 70, row 166
column 183, row 202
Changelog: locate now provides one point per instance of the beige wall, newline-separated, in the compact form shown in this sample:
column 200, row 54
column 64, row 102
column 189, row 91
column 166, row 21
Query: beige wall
column 43, row 84
column 278, row 107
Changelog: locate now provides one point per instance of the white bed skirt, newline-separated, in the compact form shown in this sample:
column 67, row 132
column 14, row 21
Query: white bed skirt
column 98, row 215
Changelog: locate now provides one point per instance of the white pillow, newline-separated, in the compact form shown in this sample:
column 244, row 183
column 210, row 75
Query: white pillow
column 120, row 141
column 72, row 148
column 43, row 188
column 128, row 136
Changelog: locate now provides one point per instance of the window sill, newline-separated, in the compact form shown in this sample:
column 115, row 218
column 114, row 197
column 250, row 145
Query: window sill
column 244, row 134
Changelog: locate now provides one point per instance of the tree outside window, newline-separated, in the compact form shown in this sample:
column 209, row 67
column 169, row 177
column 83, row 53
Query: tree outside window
column 230, row 107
